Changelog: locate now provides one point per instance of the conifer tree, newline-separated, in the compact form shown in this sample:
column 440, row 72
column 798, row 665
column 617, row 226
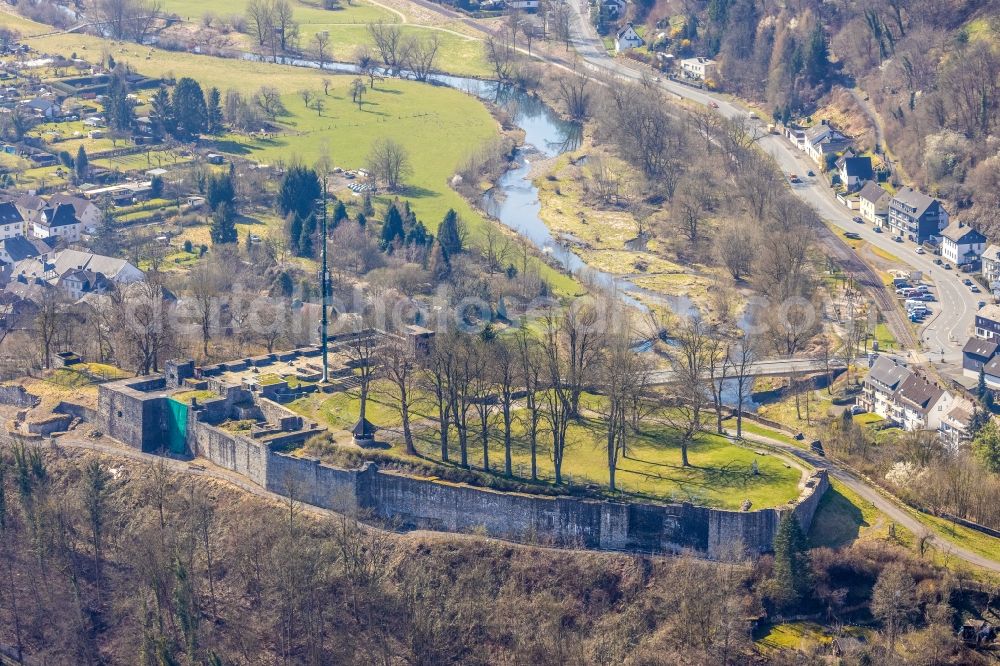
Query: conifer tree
column 392, row 228
column 223, row 228
column 790, row 578
column 450, row 233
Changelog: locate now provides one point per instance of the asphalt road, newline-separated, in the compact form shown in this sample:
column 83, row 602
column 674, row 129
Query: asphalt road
column 887, row 505
column 943, row 335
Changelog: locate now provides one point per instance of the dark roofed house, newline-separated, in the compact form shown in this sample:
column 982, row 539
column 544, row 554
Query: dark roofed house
column 922, row 403
column 976, row 353
column 60, row 221
column 11, row 220
column 961, row 244
column 883, row 379
column 855, row 171
column 916, row 216
column 18, row 248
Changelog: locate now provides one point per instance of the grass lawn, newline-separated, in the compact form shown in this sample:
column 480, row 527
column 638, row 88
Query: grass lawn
column 347, row 27
column 752, row 428
column 842, row 517
column 191, row 396
column 973, row 540
column 792, row 636
column 720, row 475
column 886, row 340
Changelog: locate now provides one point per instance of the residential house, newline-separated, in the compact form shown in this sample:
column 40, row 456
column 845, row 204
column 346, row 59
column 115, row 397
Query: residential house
column 884, row 378
column 904, row 397
column 78, row 282
column 11, row 221
column 19, row 248
column 822, row 141
column 76, row 273
column 627, row 38
column 29, row 206
column 60, row 221
column 797, row 135
column 987, row 322
column 43, row 108
column 991, row 373
column 961, row 244
column 991, row 264
column 855, row 172
column 955, row 425
column 977, row 353
column 614, row 8
column 874, row 203
column 86, row 211
column 921, row 403
column 699, row 68
column 916, row 216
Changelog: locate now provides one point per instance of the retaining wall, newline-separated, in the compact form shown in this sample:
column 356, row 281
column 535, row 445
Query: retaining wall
column 17, row 396
column 428, row 503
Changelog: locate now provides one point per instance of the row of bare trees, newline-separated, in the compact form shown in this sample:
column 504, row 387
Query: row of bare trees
column 525, row 388
column 399, row 51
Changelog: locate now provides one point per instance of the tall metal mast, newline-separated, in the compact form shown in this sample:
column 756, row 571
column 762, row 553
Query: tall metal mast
column 325, row 280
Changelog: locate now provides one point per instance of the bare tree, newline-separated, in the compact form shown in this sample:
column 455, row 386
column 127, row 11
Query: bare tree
column 689, row 362
column 736, row 249
column 389, row 163
column 742, row 358
column 558, row 398
column 623, row 378
column 363, row 352
column 436, row 373
column 530, row 360
column 367, row 65
column 582, row 328
column 421, row 55
column 357, row 92
column 561, row 19
column 321, row 47
column 260, row 18
column 389, row 43
column 500, row 54
column 399, row 368
column 575, row 95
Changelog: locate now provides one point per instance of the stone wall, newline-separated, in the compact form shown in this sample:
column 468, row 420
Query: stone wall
column 79, row 411
column 424, row 503
column 17, row 396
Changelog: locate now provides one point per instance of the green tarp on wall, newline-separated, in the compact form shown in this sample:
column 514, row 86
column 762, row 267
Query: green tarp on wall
column 176, row 435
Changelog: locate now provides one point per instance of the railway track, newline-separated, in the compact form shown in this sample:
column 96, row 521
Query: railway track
column 869, row 281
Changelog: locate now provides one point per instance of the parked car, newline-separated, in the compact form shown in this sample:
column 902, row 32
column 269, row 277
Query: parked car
column 920, row 250
column 898, row 239
column 878, row 230
column 810, row 173
column 852, row 235
column 975, row 289
column 981, row 305
column 857, row 219
column 713, row 104
column 938, row 262
column 947, row 267
column 817, row 447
